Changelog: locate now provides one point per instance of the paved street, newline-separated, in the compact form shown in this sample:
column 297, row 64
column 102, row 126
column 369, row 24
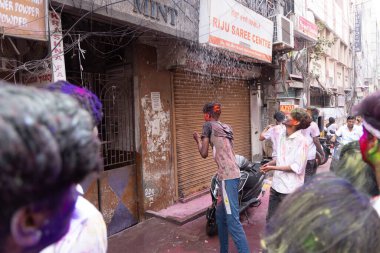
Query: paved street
column 156, row 235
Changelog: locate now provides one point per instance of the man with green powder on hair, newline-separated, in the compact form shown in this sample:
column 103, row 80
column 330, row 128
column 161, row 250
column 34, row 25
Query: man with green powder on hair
column 369, row 142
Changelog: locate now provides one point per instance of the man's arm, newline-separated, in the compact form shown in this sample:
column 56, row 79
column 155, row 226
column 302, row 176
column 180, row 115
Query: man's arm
column 202, row 144
column 265, row 133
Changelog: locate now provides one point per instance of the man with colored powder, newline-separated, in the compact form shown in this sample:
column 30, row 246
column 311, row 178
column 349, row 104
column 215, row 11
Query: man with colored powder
column 87, row 231
column 369, row 142
column 220, row 137
column 312, row 133
column 290, row 162
column 272, row 132
column 47, row 146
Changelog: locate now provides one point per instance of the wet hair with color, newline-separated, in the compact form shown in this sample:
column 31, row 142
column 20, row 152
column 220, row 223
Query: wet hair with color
column 86, row 98
column 331, row 120
column 214, row 109
column 326, row 215
column 352, row 167
column 47, row 144
column 301, row 116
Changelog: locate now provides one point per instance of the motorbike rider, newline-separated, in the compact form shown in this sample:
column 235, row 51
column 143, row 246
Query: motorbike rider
column 349, row 132
column 290, row 162
column 331, row 127
column 312, row 133
column 272, row 132
column 220, row 137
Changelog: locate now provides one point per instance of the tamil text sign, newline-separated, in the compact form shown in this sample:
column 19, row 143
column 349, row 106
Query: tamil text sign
column 24, row 18
column 229, row 25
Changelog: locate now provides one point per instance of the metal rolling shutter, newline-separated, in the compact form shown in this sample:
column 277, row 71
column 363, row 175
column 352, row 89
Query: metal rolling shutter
column 191, row 92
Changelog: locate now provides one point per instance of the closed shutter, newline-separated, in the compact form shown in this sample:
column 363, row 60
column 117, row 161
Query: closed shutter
column 191, row 92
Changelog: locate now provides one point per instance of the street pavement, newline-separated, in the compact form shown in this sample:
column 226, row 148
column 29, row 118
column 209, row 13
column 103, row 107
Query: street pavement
column 157, row 235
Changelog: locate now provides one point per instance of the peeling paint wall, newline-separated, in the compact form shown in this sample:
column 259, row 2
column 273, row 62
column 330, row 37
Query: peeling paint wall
column 156, row 163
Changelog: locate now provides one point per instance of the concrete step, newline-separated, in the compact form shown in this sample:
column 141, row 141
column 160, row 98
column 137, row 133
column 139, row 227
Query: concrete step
column 181, row 213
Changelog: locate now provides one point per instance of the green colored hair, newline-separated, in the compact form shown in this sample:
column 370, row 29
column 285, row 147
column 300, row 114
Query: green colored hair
column 326, row 215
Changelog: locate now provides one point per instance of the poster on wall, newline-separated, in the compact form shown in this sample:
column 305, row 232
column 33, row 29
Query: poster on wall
column 24, row 19
column 229, row 25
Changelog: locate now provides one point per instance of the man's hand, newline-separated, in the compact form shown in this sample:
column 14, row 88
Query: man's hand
column 267, row 167
column 196, row 137
column 267, row 128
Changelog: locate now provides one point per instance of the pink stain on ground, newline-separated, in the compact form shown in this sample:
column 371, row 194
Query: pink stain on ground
column 162, row 236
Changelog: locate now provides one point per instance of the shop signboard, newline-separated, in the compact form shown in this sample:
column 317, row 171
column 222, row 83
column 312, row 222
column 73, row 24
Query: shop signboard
column 229, row 25
column 24, row 19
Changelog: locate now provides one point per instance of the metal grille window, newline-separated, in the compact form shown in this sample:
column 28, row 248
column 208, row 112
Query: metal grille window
column 116, row 131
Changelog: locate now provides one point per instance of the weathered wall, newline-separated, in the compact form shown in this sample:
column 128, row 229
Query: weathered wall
column 175, row 17
column 156, row 173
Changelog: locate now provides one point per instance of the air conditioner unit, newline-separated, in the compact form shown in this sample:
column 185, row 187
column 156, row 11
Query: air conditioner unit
column 283, row 32
column 7, row 64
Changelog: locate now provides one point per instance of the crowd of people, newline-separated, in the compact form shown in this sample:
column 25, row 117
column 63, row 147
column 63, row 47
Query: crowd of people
column 330, row 212
column 49, row 144
column 336, row 211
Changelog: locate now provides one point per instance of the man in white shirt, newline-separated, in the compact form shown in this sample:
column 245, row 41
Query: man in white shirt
column 290, row 162
column 272, row 132
column 331, row 126
column 312, row 133
column 349, row 132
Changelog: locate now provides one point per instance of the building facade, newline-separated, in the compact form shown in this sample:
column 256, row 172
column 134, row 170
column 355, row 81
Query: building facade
column 154, row 64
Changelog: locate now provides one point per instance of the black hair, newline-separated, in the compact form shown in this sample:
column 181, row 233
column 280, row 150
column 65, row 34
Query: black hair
column 47, row 144
column 279, row 116
column 325, row 215
column 369, row 109
column 331, row 120
column 350, row 118
column 214, row 109
column 301, row 116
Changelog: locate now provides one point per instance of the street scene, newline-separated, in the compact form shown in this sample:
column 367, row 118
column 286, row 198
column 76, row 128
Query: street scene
column 191, row 126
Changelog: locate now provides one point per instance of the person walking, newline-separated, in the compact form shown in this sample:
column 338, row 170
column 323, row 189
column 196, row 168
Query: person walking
column 289, row 165
column 220, row 137
column 312, row 134
column 272, row 132
column 331, row 127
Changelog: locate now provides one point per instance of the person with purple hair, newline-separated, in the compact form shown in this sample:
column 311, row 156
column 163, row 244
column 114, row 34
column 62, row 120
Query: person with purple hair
column 47, row 147
column 88, row 100
column 87, row 230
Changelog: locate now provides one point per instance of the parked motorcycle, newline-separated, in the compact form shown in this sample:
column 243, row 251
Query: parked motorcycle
column 326, row 149
column 250, row 190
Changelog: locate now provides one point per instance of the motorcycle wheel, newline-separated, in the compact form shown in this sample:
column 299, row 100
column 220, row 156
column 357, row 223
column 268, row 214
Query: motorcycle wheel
column 211, row 228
